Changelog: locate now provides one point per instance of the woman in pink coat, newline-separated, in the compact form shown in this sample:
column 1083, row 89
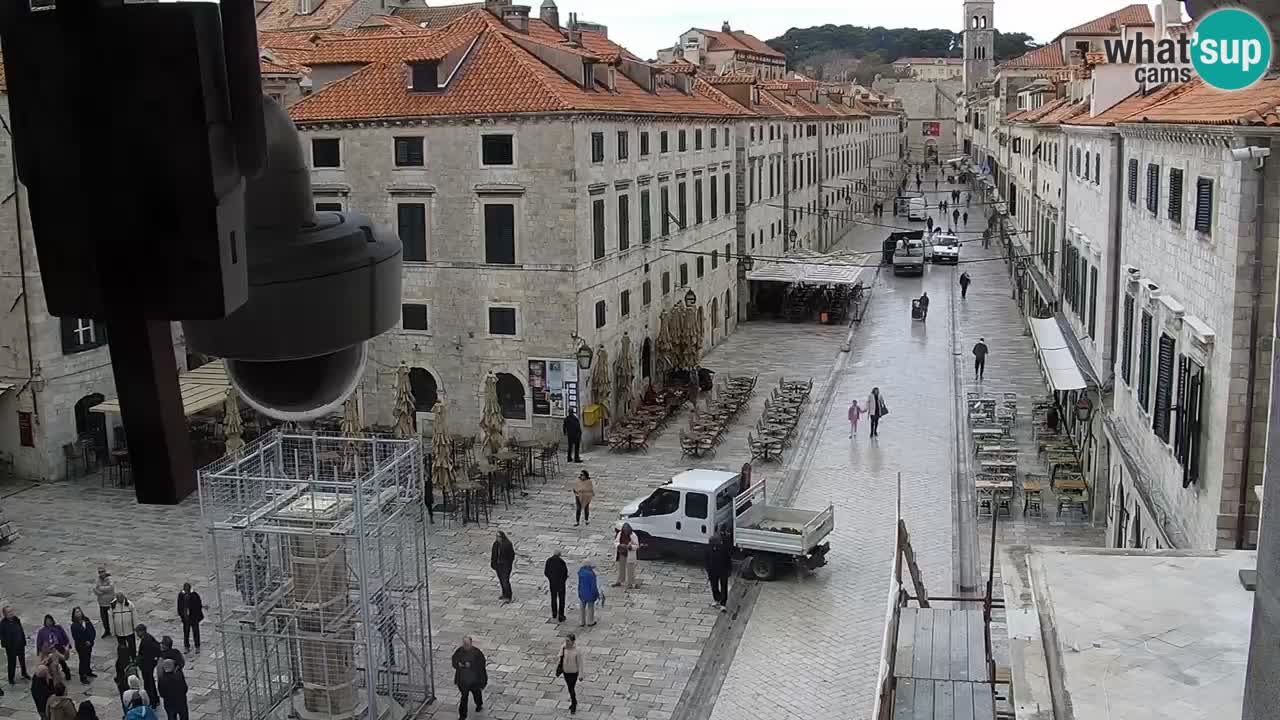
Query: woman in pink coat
column 855, row 412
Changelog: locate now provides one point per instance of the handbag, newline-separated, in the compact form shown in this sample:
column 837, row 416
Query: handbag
column 560, row 665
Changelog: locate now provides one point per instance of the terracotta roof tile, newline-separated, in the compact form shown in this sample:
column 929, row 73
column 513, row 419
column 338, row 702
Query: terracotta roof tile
column 437, row 16
column 1063, row 113
column 1035, row 114
column 1048, row 56
column 1109, row 24
column 1130, row 105
column 1201, row 104
column 738, row 40
column 282, row 15
column 731, row 79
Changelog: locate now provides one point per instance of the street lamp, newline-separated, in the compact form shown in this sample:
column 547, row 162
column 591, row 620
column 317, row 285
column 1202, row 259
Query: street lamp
column 690, row 298
column 1084, row 408
column 584, row 355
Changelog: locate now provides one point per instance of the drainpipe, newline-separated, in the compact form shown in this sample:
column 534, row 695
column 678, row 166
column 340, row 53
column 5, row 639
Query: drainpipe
column 1260, row 214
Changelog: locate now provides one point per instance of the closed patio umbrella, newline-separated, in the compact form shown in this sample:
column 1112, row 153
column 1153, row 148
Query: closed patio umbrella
column 441, row 449
column 600, row 377
column 405, row 404
column 624, row 376
column 352, row 428
column 664, row 346
column 232, row 425
column 492, row 423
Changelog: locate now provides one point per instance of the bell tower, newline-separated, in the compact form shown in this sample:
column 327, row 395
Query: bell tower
column 979, row 43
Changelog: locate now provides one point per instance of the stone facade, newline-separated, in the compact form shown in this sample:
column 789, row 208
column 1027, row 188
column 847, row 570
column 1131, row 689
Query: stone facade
column 52, row 389
column 930, row 109
column 724, row 53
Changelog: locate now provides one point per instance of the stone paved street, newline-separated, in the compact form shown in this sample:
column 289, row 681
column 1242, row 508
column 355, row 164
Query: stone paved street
column 811, row 647
column 637, row 659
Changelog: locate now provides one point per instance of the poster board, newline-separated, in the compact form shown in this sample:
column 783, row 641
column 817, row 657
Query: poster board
column 549, row 384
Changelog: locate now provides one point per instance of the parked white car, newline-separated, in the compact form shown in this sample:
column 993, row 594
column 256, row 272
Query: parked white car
column 946, row 250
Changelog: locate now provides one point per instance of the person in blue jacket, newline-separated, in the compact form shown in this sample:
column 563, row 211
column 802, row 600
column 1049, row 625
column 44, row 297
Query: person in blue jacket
column 140, row 710
column 588, row 594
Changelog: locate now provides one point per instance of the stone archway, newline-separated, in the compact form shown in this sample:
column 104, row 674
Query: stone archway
column 91, row 424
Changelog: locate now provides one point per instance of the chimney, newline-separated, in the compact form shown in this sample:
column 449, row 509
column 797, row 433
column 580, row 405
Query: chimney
column 575, row 35
column 305, row 7
column 724, row 26
column 496, row 6
column 517, row 18
column 550, row 14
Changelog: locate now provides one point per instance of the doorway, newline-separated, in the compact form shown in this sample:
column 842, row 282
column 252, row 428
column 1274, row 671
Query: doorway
column 646, row 359
column 90, row 425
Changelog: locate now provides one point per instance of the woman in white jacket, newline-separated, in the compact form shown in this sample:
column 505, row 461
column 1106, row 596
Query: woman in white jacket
column 626, row 550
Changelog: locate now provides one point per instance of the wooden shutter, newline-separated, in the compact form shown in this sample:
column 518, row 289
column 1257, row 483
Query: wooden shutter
column 1126, row 360
column 597, row 229
column 1144, row 363
column 1175, row 195
column 1093, row 302
column 624, row 222
column 1191, row 468
column 70, row 343
column 1180, row 410
column 1153, row 187
column 1133, row 182
column 1164, row 388
column 1204, row 205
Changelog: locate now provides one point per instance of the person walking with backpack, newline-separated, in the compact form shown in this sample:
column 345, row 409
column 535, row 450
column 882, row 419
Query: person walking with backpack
column 557, row 574
column 470, row 675
column 14, row 640
column 964, row 284
column 877, row 409
column 588, row 594
column 83, row 635
column 570, row 666
column 140, row 710
column 573, row 437
column 502, row 558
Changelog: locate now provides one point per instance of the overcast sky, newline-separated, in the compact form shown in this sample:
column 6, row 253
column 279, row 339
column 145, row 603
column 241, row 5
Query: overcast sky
column 643, row 26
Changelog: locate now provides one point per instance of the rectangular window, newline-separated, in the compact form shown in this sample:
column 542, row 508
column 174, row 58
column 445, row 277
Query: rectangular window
column 1175, row 195
column 411, row 221
column 664, row 207
column 724, row 187
column 597, row 229
column 624, row 303
column 1204, row 205
column 695, row 505
column 646, row 293
column 597, row 147
column 413, row 316
column 502, row 321
column 1126, row 344
column 1187, row 434
column 666, row 283
column 726, row 137
column 26, row 429
column 409, row 152
column 1088, row 174
column 646, row 222
column 601, row 314
column 697, row 139
column 624, row 149
column 682, row 140
column 499, row 150
column 1097, row 168
column 682, row 205
column 664, row 144
column 697, row 201
column 700, row 265
column 1153, row 187
column 326, row 152
column 328, row 207
column 684, row 274
column 711, row 185
column 80, row 334
column 714, row 135
column 500, row 234
column 1144, row 363
column 644, row 144
column 1164, row 388
column 624, row 222
column 1093, row 302
column 1133, row 181
column 715, row 259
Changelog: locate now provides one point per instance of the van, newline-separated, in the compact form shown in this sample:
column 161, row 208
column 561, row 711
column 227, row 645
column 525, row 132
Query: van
column 687, row 510
column 917, row 209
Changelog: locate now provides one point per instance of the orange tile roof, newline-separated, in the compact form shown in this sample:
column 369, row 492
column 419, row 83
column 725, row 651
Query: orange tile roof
column 435, row 16
column 1035, row 114
column 738, row 40
column 1129, row 106
column 498, row 76
column 1048, row 56
column 1063, row 113
column 387, row 25
column 282, row 15
column 730, row 79
column 1201, row 104
column 272, row 68
column 1109, row 24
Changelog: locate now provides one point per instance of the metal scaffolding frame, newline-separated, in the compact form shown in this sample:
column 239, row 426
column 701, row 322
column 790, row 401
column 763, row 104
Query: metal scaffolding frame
column 318, row 548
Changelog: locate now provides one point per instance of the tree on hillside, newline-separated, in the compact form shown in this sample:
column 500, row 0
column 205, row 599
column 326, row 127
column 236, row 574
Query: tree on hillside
column 802, row 45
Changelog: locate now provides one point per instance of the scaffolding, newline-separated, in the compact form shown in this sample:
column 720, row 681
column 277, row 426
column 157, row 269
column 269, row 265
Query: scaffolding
column 318, row 549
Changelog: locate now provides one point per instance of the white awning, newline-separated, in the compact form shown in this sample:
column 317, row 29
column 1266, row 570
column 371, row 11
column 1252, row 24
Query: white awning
column 1059, row 365
column 201, row 389
column 810, row 268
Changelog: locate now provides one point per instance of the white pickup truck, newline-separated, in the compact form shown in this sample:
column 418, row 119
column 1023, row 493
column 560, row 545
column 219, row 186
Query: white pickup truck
column 684, row 513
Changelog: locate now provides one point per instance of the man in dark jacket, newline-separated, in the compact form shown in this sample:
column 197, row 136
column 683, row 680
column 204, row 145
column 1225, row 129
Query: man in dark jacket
column 502, row 558
column 470, row 675
column 557, row 574
column 168, row 652
column 149, row 652
column 980, row 358
column 719, row 564
column 573, row 434
column 14, row 640
column 191, row 611
column 173, row 690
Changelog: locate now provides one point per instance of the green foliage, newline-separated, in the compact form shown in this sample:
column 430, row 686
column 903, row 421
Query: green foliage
column 803, row 45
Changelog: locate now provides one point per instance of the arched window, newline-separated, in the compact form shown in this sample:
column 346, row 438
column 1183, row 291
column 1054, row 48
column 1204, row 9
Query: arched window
column 425, row 392
column 974, row 22
column 511, row 397
column 984, row 22
column 715, row 313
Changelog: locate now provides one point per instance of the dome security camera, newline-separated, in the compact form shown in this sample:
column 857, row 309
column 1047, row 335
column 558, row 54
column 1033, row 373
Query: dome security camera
column 320, row 286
